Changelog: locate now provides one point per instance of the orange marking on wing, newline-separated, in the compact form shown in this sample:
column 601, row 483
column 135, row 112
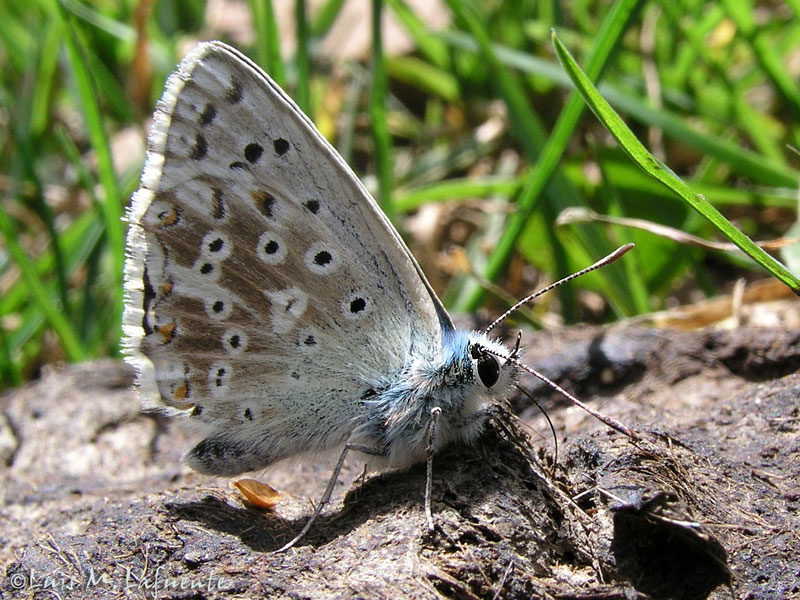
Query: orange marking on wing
column 167, row 331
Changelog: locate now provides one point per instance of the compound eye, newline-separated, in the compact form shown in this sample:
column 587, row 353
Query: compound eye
column 488, row 370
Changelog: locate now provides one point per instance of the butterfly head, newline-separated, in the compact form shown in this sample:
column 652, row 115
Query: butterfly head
column 492, row 370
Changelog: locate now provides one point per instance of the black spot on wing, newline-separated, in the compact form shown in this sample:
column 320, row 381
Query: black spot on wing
column 252, row 152
column 357, row 305
column 281, row 146
column 208, row 115
column 200, row 147
column 264, row 202
column 235, row 94
column 217, row 203
column 323, row 258
column 149, row 296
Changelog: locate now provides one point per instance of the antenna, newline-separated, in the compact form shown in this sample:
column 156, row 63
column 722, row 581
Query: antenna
column 600, row 263
column 609, row 421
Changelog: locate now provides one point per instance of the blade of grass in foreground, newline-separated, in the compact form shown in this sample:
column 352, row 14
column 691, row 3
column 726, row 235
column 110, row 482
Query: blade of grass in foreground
column 655, row 168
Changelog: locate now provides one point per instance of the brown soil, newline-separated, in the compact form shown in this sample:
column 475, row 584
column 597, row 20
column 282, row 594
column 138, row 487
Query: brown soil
column 705, row 505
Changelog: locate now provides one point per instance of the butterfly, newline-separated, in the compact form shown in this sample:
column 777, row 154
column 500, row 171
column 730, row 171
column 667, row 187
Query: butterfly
column 270, row 301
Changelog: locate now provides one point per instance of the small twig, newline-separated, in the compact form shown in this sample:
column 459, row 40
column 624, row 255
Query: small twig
column 503, row 580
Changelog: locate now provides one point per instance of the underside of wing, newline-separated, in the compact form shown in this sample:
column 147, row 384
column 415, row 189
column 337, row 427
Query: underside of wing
column 266, row 293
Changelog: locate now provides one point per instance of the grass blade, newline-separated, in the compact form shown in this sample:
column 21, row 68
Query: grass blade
column 654, row 167
column 302, row 60
column 268, row 40
column 54, row 315
column 608, row 38
column 111, row 205
column 377, row 113
column 741, row 12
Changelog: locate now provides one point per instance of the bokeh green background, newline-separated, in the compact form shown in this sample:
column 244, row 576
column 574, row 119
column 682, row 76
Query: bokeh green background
column 444, row 110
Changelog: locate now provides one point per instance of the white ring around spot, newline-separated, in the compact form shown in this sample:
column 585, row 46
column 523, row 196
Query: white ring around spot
column 265, row 253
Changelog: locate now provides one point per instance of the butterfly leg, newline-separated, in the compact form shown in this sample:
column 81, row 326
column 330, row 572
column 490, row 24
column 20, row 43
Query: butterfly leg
column 483, row 413
column 375, row 451
column 435, row 413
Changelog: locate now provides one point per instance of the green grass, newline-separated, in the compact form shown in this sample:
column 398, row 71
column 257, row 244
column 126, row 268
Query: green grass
column 695, row 132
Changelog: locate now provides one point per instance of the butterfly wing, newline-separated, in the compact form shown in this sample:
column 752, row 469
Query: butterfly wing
column 266, row 292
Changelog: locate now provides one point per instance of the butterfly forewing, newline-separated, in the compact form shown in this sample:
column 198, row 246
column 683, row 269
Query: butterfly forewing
column 262, row 278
